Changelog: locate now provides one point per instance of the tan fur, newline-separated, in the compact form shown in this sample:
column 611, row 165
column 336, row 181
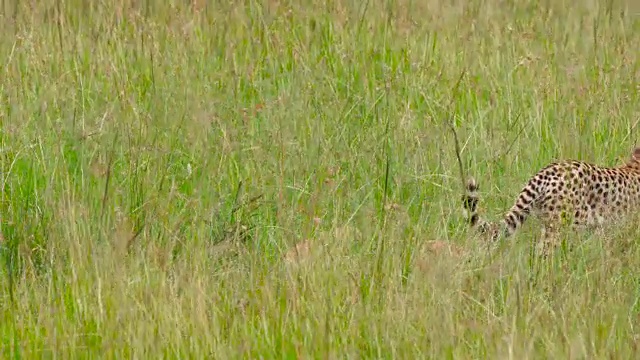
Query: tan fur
column 582, row 193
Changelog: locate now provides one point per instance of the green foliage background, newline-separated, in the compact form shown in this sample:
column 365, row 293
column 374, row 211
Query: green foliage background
column 277, row 179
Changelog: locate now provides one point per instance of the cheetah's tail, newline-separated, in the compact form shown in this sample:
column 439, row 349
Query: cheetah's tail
column 470, row 207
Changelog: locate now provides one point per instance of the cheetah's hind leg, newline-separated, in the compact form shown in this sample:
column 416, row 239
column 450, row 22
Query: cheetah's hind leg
column 552, row 236
column 549, row 239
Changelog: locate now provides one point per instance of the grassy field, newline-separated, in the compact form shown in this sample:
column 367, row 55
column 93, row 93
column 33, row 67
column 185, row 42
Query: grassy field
column 279, row 180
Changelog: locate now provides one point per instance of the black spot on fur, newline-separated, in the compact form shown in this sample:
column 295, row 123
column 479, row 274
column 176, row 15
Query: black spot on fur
column 470, row 203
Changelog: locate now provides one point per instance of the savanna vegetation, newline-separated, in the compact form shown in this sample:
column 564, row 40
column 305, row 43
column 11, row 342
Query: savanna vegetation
column 278, row 179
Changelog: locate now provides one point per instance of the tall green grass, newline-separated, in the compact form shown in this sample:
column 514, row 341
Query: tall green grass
column 278, row 179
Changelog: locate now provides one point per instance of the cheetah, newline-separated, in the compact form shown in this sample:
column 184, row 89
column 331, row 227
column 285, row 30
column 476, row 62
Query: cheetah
column 585, row 194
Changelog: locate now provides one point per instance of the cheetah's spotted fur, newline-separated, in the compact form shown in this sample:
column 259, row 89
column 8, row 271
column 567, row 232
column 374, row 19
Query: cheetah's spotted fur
column 589, row 194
